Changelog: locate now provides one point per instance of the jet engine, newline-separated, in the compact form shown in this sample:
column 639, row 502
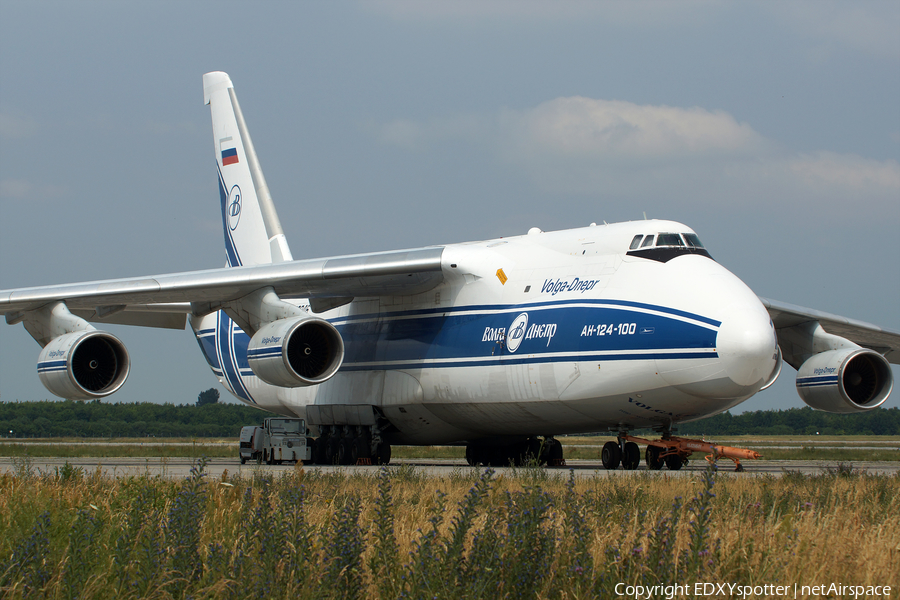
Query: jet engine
column 296, row 352
column 84, row 365
column 848, row 380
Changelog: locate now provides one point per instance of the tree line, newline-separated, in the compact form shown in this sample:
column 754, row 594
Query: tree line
column 797, row 421
column 67, row 418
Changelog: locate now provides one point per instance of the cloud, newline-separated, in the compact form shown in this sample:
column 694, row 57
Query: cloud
column 583, row 127
column 850, row 172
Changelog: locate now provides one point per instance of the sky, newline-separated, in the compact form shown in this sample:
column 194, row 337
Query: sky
column 772, row 129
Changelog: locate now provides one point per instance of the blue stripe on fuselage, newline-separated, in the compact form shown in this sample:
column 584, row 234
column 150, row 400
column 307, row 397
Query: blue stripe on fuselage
column 639, row 306
column 556, row 331
column 232, row 348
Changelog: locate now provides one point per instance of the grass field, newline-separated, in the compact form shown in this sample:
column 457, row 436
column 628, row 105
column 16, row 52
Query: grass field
column 840, row 448
column 396, row 532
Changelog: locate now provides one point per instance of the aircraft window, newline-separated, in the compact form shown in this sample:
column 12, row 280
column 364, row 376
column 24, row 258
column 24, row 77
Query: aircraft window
column 692, row 240
column 635, row 242
column 647, row 242
column 669, row 239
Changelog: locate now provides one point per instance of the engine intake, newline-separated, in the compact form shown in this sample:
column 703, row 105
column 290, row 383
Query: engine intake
column 845, row 381
column 84, row 365
column 296, row 352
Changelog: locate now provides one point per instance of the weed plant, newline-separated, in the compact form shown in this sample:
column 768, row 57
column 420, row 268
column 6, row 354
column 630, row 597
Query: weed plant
column 398, row 533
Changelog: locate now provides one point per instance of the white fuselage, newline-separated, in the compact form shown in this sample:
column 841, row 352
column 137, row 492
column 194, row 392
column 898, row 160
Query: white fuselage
column 541, row 334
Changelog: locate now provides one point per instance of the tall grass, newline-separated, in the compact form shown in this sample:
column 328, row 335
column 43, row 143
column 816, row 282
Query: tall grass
column 396, row 533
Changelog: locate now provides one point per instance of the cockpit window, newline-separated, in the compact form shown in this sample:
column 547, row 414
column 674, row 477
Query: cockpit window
column 669, row 239
column 635, row 242
column 647, row 242
column 692, row 240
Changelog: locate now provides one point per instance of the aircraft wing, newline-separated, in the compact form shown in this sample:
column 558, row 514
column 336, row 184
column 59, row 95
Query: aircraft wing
column 883, row 341
column 164, row 300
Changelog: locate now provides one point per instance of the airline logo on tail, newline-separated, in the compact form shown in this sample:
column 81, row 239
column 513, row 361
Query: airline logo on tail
column 234, row 207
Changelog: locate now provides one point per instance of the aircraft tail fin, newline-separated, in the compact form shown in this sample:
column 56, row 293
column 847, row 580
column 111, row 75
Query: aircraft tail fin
column 253, row 233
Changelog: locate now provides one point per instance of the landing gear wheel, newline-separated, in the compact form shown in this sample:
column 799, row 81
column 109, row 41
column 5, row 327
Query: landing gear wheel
column 331, row 450
column 674, row 462
column 318, row 453
column 610, row 456
column 383, row 454
column 554, row 453
column 471, row 456
column 654, row 462
column 345, row 452
column 631, row 458
column 362, row 448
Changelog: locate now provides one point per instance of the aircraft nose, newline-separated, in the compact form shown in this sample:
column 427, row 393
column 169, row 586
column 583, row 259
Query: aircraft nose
column 746, row 344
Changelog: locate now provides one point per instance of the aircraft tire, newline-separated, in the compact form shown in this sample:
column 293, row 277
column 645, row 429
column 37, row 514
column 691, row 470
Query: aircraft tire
column 554, row 453
column 345, row 451
column 318, row 454
column 383, row 454
column 363, row 447
column 332, row 447
column 654, row 462
column 631, row 458
column 471, row 456
column 674, row 462
column 610, row 456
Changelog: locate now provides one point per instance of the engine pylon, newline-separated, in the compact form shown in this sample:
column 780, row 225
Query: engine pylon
column 675, row 450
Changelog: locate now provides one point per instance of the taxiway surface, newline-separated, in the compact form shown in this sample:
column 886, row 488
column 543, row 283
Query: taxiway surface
column 177, row 468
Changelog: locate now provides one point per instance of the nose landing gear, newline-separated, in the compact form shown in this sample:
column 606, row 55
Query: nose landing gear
column 669, row 450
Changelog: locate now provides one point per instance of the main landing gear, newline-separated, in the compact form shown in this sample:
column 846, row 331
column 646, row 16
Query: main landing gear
column 350, row 445
column 669, row 450
column 521, row 453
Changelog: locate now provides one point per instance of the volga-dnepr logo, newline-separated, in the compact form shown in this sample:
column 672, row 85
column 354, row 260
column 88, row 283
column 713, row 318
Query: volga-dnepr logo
column 517, row 332
column 233, row 208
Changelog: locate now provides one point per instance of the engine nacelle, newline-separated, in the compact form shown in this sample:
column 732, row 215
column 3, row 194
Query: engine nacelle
column 84, row 365
column 849, row 380
column 296, row 352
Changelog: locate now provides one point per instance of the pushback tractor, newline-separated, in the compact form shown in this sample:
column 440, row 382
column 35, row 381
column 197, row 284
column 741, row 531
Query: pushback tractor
column 278, row 440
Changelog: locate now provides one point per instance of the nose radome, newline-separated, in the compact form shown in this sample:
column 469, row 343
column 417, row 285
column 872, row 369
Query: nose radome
column 746, row 344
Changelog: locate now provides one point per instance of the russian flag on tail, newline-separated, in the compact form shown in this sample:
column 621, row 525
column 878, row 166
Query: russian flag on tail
column 229, row 157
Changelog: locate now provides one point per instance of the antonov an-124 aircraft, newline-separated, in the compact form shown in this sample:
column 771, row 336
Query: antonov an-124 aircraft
column 499, row 345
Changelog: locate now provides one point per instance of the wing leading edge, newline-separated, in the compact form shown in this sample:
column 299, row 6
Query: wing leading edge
column 398, row 273
column 884, row 341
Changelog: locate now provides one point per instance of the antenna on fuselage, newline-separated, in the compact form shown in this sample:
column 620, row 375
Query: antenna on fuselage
column 645, row 214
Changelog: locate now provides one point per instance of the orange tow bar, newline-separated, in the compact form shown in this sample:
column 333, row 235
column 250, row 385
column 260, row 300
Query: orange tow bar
column 674, row 450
